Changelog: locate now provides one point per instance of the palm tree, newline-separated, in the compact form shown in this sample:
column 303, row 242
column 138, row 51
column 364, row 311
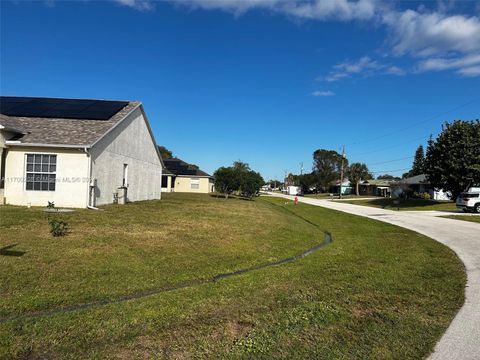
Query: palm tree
column 357, row 172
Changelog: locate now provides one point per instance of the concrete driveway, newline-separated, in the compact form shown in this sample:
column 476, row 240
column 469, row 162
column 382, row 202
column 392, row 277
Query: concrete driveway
column 462, row 338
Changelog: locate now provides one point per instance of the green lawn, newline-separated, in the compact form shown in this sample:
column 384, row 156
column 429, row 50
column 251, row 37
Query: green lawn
column 475, row 219
column 378, row 291
column 407, row 204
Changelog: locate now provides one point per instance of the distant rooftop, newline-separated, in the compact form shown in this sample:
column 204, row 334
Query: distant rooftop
column 53, row 121
column 418, row 179
column 378, row 182
column 178, row 167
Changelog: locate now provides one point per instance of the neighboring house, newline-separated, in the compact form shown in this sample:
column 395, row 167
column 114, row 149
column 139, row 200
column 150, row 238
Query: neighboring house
column 419, row 184
column 375, row 188
column 180, row 176
column 76, row 153
column 346, row 187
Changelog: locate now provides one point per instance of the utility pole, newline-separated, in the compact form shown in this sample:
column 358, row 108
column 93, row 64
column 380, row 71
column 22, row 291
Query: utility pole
column 341, row 173
column 301, row 168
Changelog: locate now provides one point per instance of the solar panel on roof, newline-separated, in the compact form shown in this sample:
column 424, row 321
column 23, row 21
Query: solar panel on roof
column 60, row 108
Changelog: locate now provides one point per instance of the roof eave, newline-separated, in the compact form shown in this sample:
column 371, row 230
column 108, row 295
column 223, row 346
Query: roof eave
column 68, row 146
column 199, row 176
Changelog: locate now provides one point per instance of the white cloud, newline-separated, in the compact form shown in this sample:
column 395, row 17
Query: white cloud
column 470, row 71
column 237, row 7
column 419, row 33
column 323, row 93
column 365, row 66
column 142, row 5
column 449, row 63
column 327, row 9
column 468, row 65
column 305, row 9
column 394, row 70
column 49, row 3
column 427, row 34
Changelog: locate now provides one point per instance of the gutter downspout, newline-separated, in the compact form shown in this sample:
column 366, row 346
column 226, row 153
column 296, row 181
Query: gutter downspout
column 89, row 175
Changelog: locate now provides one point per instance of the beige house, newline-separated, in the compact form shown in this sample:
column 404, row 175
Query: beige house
column 179, row 176
column 76, row 153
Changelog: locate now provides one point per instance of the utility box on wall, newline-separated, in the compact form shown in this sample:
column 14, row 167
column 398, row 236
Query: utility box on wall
column 122, row 195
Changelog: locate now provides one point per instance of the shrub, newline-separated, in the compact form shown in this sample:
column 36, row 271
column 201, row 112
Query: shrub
column 422, row 195
column 58, row 227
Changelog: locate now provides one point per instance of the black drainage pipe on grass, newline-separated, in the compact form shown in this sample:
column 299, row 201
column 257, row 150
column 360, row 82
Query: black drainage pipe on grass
column 327, row 239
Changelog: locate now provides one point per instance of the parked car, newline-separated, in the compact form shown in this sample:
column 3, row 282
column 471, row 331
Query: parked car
column 469, row 201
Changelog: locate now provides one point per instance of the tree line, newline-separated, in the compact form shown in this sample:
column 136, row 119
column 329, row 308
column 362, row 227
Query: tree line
column 451, row 162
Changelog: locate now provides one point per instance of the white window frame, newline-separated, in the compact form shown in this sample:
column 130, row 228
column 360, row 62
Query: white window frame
column 195, row 183
column 42, row 172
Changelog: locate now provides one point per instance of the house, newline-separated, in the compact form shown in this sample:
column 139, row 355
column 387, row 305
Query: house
column 76, row 153
column 346, row 187
column 419, row 184
column 180, row 176
column 375, row 188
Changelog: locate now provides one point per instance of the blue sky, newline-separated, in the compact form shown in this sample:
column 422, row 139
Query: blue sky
column 267, row 82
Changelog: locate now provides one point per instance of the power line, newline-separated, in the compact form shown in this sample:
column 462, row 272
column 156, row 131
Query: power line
column 391, row 147
column 417, row 123
column 390, row 161
column 388, row 171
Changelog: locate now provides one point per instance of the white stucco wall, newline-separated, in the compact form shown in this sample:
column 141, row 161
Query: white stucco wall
column 71, row 174
column 128, row 143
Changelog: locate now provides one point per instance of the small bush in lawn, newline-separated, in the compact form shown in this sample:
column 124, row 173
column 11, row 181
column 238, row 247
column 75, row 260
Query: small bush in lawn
column 58, row 227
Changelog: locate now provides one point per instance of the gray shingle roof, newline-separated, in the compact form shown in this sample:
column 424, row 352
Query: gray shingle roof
column 58, row 131
column 380, row 182
column 418, row 179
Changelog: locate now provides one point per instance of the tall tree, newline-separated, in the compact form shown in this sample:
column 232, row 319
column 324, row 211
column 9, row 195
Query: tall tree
column 357, row 172
column 387, row 177
column 275, row 183
column 326, row 167
column 164, row 152
column 241, row 166
column 418, row 166
column 306, row 182
column 226, row 180
column 453, row 158
column 250, row 183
